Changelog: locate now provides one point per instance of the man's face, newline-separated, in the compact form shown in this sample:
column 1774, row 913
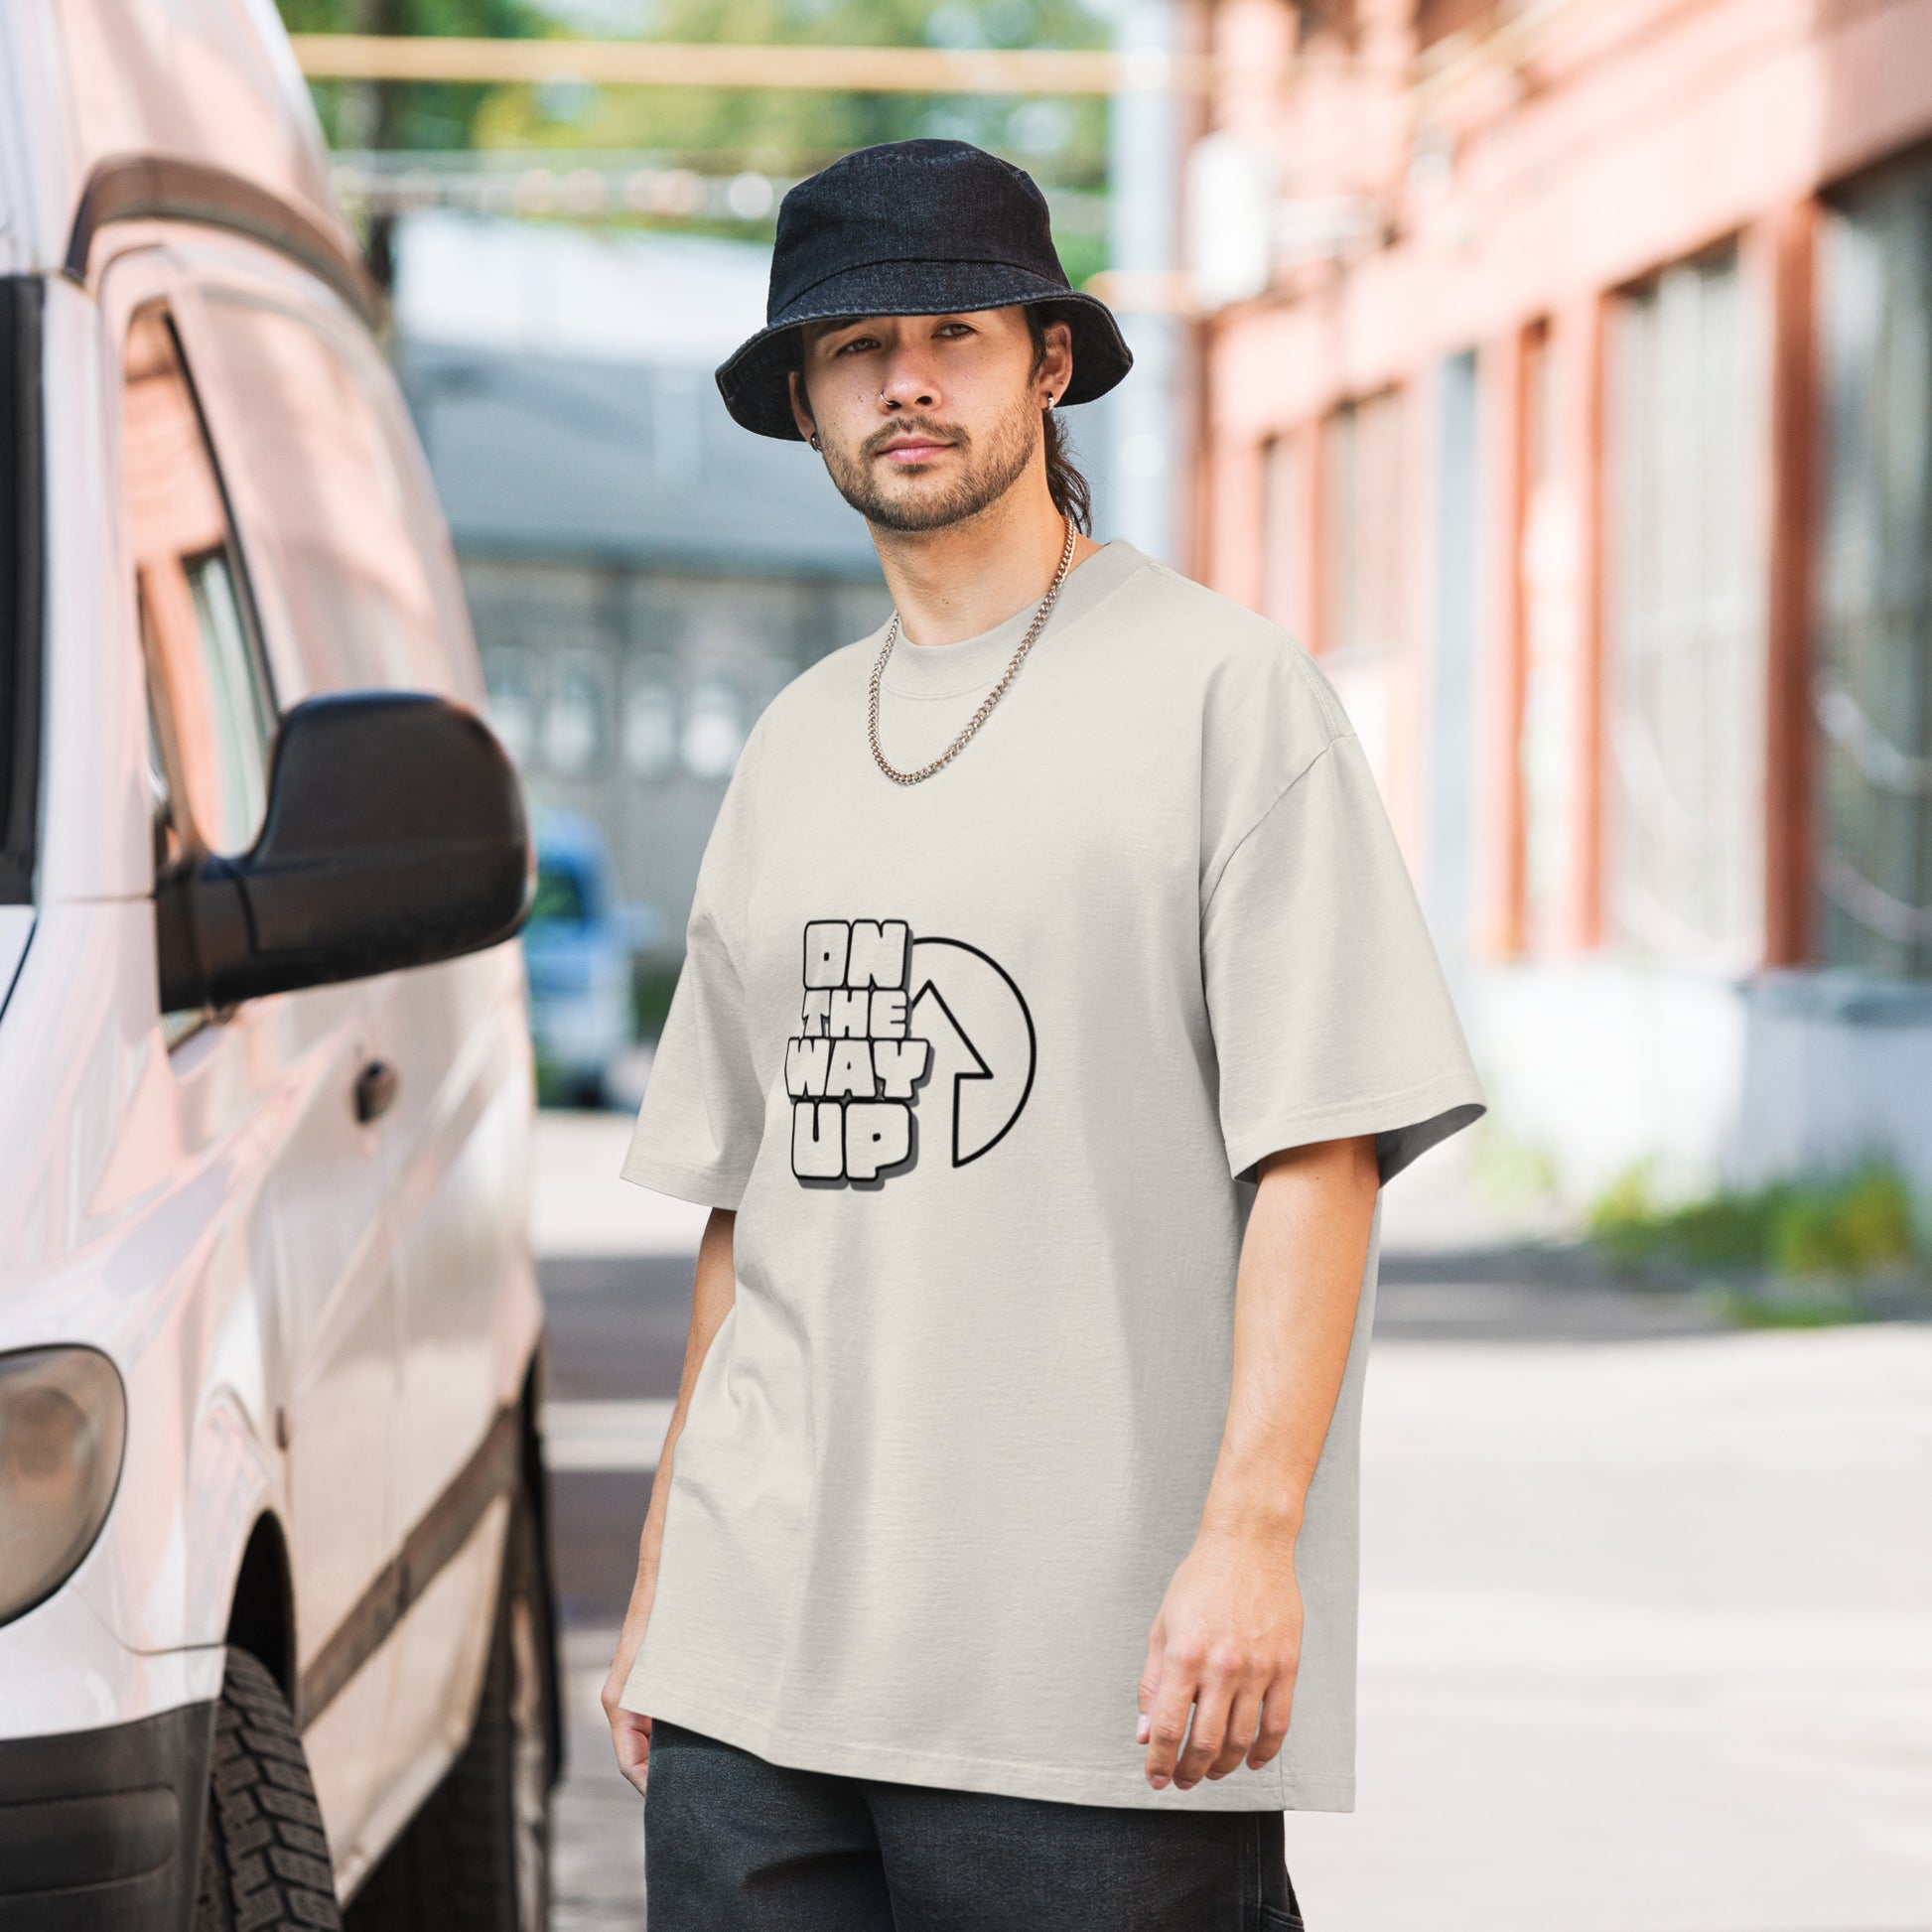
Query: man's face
column 926, row 419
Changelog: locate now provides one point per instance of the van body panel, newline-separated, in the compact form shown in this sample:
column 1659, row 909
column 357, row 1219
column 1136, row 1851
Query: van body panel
column 16, row 929
column 136, row 1220
column 348, row 1761
column 66, row 1676
column 335, row 1304
column 317, row 1317
column 94, row 832
column 470, row 1309
column 131, row 1162
column 435, row 1714
column 34, row 127
column 459, row 1185
column 215, row 1219
column 215, row 80
column 455, row 1143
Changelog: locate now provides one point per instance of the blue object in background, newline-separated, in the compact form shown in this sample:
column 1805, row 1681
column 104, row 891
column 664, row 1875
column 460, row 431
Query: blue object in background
column 576, row 948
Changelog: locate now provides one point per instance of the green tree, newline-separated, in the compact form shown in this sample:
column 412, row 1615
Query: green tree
column 407, row 114
column 1060, row 139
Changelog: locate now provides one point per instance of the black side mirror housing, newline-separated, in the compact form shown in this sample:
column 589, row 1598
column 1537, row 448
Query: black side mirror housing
column 395, row 836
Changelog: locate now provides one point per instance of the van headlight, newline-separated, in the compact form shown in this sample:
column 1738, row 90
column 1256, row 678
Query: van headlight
column 62, row 1426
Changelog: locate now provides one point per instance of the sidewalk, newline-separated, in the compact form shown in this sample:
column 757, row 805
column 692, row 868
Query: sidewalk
column 1646, row 1608
column 1646, row 1639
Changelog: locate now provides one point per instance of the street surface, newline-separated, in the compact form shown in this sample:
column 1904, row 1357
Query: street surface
column 1646, row 1606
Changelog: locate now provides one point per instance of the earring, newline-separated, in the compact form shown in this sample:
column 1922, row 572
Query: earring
column 1049, row 399
column 815, row 441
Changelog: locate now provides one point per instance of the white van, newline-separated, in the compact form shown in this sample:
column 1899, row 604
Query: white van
column 275, row 1631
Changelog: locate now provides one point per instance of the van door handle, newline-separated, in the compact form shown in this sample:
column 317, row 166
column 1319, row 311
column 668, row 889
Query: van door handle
column 376, row 1091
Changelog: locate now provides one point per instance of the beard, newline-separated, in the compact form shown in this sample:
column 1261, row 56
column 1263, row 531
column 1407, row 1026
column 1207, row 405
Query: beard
column 986, row 472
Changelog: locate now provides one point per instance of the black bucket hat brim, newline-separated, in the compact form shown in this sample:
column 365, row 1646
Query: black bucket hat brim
column 755, row 383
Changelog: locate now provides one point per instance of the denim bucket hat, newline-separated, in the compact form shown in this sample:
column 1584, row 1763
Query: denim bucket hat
column 911, row 228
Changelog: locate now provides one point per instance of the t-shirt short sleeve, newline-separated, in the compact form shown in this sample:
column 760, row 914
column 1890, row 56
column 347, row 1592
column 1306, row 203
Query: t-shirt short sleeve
column 1329, row 1010
column 698, row 1129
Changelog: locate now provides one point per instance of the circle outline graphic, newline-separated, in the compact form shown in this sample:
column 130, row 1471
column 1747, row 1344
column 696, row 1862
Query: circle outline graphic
column 1026, row 1013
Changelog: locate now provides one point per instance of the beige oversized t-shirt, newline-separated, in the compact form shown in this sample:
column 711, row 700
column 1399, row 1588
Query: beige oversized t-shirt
column 985, row 1064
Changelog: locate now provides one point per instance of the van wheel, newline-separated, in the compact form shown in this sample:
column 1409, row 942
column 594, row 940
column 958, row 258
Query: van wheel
column 477, row 1856
column 264, row 1858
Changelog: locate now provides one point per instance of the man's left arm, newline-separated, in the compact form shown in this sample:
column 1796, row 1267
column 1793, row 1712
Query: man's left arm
column 1227, row 1640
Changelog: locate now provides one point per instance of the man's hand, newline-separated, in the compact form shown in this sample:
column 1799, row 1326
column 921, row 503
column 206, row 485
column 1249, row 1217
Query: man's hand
column 629, row 1731
column 1227, row 1642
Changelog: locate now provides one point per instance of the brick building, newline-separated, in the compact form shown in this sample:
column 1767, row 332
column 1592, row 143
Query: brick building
column 1573, row 401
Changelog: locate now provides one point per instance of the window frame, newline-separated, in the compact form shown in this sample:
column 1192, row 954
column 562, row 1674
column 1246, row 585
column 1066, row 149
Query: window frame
column 240, row 577
column 269, row 288
column 1842, row 740
column 1629, row 309
column 157, row 700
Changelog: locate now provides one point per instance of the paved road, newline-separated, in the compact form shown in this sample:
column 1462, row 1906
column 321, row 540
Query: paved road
column 1646, row 1605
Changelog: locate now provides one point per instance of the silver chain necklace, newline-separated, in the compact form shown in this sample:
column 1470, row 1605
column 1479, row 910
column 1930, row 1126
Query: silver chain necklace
column 992, row 697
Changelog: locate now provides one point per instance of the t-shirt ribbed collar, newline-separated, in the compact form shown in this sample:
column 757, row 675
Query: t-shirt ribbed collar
column 973, row 663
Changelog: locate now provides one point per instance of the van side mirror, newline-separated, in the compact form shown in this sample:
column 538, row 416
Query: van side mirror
column 395, row 836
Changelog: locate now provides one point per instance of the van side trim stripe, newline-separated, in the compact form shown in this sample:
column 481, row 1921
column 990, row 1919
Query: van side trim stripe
column 157, row 188
column 490, row 1472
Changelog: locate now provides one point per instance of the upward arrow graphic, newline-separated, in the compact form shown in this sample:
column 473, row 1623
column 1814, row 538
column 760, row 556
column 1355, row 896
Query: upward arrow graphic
column 955, row 1060
column 982, row 1047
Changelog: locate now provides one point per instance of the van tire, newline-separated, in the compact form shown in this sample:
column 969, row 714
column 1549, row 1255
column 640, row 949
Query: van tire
column 477, row 1856
column 264, row 1855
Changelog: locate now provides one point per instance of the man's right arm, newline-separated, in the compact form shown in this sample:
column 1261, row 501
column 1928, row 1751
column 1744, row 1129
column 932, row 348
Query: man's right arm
column 712, row 1294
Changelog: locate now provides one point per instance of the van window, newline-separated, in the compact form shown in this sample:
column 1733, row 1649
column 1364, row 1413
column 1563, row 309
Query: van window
column 211, row 717
column 352, row 523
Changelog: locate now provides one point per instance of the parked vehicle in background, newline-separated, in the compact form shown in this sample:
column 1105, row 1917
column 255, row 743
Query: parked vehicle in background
column 577, row 948
column 275, row 1623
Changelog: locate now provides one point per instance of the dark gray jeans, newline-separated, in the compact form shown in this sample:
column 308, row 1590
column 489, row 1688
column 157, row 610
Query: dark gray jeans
column 735, row 1844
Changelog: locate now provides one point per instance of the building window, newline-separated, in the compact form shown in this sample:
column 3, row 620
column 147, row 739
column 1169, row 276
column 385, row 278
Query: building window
column 572, row 735
column 512, row 707
column 1436, row 20
column 1361, row 570
column 714, row 730
column 1451, row 824
column 1684, row 712
column 1361, row 525
column 1873, row 692
column 649, row 728
column 1549, row 565
column 1314, row 18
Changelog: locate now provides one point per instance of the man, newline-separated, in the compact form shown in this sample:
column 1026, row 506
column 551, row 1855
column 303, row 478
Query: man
column 1055, row 1002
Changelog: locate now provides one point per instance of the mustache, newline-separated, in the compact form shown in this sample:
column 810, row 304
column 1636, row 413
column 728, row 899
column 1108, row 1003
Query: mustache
column 909, row 426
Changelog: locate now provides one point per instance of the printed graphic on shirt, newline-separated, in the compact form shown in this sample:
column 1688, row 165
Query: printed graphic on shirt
column 894, row 1028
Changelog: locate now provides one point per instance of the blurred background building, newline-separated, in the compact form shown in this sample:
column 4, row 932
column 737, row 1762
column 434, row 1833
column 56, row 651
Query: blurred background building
column 1557, row 370
column 1565, row 386
column 642, row 575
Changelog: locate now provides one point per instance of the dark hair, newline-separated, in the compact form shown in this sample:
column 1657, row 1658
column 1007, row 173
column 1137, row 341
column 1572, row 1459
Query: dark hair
column 1067, row 482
